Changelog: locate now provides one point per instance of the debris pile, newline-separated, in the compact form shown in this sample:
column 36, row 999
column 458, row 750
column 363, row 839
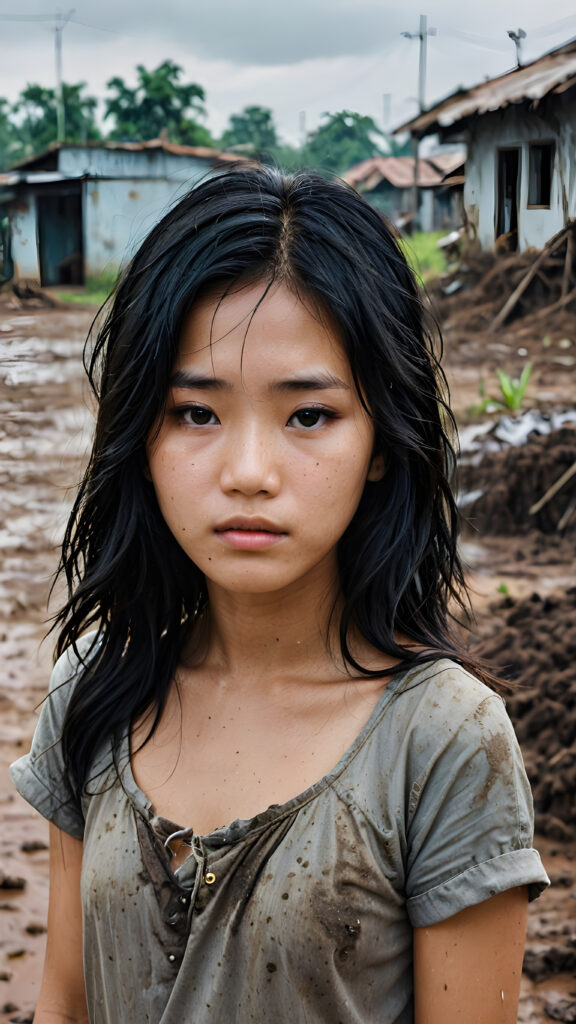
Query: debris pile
column 514, row 490
column 532, row 642
column 25, row 294
column 489, row 289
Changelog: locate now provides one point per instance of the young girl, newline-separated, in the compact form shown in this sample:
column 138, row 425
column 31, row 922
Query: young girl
column 276, row 792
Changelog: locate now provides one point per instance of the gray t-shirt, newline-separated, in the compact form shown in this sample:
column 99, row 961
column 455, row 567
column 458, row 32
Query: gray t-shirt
column 304, row 913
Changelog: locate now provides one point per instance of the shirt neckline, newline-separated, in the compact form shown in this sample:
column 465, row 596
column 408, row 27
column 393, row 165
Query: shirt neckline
column 238, row 828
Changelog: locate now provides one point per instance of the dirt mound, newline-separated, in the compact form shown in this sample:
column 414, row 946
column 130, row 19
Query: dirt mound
column 507, row 483
column 532, row 642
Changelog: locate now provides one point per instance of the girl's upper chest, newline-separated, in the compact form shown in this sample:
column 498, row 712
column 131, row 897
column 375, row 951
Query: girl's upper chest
column 217, row 756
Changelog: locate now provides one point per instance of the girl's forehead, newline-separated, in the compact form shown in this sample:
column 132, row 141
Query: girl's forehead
column 258, row 326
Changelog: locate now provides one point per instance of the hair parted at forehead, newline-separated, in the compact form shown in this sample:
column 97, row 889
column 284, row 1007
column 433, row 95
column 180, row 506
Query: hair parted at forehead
column 398, row 560
column 318, row 237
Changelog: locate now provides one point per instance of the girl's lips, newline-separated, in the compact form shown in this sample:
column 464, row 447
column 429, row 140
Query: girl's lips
column 249, row 539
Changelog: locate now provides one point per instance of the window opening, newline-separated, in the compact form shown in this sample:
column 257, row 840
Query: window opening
column 540, row 166
column 508, row 179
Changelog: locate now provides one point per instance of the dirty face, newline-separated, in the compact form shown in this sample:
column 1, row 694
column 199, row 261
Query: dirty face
column 265, row 448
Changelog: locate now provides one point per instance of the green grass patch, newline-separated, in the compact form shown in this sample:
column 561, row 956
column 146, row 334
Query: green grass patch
column 83, row 297
column 95, row 291
column 423, row 254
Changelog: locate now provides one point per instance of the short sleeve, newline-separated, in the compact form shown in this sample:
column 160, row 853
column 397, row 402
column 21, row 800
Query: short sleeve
column 41, row 776
column 471, row 823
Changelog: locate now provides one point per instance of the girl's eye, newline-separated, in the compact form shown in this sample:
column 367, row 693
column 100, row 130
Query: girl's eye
column 310, row 418
column 198, row 416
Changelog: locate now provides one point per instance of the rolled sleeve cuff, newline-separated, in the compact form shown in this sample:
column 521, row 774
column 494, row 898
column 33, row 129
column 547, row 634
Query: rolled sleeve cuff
column 63, row 814
column 478, row 883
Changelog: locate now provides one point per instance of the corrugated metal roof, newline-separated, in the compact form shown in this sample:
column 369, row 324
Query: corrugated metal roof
column 554, row 72
column 398, row 171
column 199, row 152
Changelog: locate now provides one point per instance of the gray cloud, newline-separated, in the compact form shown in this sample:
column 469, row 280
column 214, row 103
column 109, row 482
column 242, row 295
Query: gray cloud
column 290, row 55
column 244, row 31
column 283, row 32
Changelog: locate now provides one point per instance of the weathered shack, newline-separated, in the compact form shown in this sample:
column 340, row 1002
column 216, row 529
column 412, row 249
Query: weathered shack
column 77, row 211
column 520, row 131
column 388, row 183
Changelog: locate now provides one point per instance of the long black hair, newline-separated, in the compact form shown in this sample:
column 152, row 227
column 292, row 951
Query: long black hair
column 126, row 574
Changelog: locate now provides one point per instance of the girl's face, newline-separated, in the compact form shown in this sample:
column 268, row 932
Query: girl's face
column 263, row 454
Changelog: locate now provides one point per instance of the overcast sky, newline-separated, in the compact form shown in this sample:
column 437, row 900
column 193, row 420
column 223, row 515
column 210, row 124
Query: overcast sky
column 294, row 56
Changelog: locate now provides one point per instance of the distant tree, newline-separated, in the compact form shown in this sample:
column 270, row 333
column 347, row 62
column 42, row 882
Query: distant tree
column 7, row 140
column 252, row 130
column 291, row 158
column 36, row 115
column 159, row 105
column 343, row 140
column 34, row 118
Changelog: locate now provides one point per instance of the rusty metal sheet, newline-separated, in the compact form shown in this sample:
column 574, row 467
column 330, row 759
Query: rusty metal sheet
column 550, row 73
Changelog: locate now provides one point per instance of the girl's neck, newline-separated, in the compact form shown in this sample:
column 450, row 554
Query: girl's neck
column 246, row 635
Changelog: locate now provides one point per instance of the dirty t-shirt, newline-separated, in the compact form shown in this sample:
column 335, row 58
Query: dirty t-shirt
column 305, row 912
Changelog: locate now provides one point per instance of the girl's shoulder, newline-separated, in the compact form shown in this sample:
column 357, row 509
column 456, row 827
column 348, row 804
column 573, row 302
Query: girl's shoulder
column 72, row 662
column 444, row 686
column 436, row 713
column 42, row 776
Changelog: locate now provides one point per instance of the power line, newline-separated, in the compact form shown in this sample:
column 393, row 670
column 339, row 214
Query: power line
column 497, row 43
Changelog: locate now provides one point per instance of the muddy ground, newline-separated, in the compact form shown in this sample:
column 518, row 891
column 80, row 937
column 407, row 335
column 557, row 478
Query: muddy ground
column 521, row 570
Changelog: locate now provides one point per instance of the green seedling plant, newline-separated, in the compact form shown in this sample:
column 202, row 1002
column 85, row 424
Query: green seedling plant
column 512, row 390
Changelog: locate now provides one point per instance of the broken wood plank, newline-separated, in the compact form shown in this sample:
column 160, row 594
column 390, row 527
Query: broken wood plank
column 553, row 490
column 518, row 292
column 568, row 263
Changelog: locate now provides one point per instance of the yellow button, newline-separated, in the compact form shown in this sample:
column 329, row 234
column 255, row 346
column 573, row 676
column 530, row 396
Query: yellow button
column 210, row 878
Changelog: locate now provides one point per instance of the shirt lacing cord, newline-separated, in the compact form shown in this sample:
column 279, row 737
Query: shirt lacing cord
column 194, row 842
column 187, row 838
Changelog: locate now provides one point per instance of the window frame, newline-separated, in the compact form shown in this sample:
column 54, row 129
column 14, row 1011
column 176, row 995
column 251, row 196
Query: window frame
column 540, row 144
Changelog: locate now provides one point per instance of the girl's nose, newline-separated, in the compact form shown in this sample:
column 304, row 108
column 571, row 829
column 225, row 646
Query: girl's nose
column 251, row 465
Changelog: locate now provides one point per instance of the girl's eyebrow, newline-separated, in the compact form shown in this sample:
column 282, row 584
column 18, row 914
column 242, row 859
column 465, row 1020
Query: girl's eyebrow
column 322, row 381
column 198, row 381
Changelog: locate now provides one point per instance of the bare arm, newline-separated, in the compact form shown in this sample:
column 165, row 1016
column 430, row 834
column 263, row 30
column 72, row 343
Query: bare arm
column 62, row 997
column 467, row 969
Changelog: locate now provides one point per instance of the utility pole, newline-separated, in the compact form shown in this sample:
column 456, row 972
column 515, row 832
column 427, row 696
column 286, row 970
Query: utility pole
column 422, row 35
column 61, row 22
column 517, row 38
column 302, row 129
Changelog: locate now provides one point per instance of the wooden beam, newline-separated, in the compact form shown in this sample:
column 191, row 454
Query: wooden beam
column 518, row 292
column 553, row 490
column 568, row 263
